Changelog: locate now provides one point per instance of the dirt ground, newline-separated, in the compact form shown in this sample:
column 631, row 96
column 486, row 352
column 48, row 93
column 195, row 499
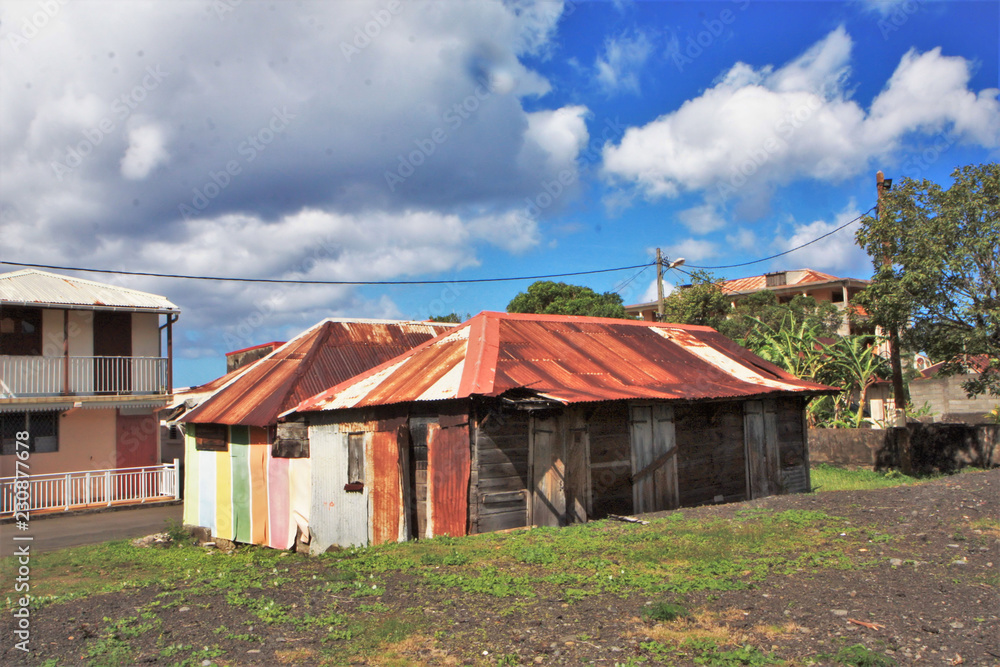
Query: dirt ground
column 928, row 596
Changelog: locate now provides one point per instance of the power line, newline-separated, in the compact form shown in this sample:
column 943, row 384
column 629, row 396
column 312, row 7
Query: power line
column 325, row 282
column 643, row 267
column 629, row 281
column 782, row 254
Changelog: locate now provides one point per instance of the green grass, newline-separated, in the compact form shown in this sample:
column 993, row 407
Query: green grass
column 831, row 478
column 341, row 596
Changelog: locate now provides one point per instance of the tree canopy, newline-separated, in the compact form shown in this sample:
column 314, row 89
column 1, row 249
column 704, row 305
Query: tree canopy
column 701, row 303
column 452, row 317
column 941, row 286
column 552, row 298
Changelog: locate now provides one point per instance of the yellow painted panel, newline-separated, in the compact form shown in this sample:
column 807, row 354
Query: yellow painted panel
column 224, row 496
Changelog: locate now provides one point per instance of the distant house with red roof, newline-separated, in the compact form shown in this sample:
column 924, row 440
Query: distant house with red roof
column 514, row 420
column 786, row 285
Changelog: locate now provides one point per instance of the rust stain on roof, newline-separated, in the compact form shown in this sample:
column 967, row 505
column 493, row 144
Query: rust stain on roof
column 569, row 359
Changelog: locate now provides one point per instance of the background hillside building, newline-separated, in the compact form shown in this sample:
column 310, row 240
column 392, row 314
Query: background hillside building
column 786, row 285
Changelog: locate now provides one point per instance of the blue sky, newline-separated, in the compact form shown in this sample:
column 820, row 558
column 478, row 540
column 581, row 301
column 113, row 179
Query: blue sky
column 450, row 140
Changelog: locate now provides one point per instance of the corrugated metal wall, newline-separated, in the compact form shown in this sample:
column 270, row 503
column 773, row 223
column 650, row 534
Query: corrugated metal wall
column 339, row 517
column 448, row 467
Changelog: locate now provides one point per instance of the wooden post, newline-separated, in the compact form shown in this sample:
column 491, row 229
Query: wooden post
column 65, row 351
column 659, row 286
column 899, row 393
column 847, row 309
column 170, row 354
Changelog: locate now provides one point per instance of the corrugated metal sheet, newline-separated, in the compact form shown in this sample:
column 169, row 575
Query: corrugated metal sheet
column 568, row 359
column 387, row 504
column 449, row 465
column 32, row 287
column 322, row 356
column 339, row 517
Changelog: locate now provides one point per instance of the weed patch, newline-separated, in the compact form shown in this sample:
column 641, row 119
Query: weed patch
column 858, row 655
column 665, row 611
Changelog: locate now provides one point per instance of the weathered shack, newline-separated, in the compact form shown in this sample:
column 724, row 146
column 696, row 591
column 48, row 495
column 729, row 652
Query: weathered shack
column 233, row 486
column 516, row 420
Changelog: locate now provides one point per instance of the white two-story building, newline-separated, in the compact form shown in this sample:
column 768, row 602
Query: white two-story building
column 84, row 367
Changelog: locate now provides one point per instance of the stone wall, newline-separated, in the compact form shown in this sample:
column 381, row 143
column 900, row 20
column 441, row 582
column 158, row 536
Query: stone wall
column 917, row 448
column 949, row 401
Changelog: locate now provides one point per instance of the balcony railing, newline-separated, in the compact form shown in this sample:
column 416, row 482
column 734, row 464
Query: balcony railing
column 89, row 488
column 47, row 376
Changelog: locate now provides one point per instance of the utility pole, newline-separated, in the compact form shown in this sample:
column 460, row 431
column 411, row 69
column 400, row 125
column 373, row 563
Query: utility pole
column 659, row 286
column 899, row 393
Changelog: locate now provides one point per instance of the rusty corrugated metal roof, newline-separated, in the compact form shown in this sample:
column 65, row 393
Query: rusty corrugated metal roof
column 757, row 283
column 31, row 287
column 567, row 359
column 320, row 357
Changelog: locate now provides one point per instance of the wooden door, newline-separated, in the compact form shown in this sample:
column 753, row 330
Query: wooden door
column 654, row 460
column 578, row 500
column 760, row 436
column 136, row 443
column 113, row 349
column 135, row 447
column 548, row 503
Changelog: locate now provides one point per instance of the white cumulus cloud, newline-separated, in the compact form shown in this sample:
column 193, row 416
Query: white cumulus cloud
column 758, row 128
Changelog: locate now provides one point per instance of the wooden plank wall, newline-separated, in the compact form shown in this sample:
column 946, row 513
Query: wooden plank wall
column 499, row 497
column 793, row 451
column 418, row 475
column 610, row 459
column 710, row 452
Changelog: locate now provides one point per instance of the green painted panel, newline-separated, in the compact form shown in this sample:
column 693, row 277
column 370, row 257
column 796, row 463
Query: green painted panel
column 239, row 435
column 239, row 440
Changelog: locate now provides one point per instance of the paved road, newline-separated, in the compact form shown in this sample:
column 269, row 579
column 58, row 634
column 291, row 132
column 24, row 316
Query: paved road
column 90, row 528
